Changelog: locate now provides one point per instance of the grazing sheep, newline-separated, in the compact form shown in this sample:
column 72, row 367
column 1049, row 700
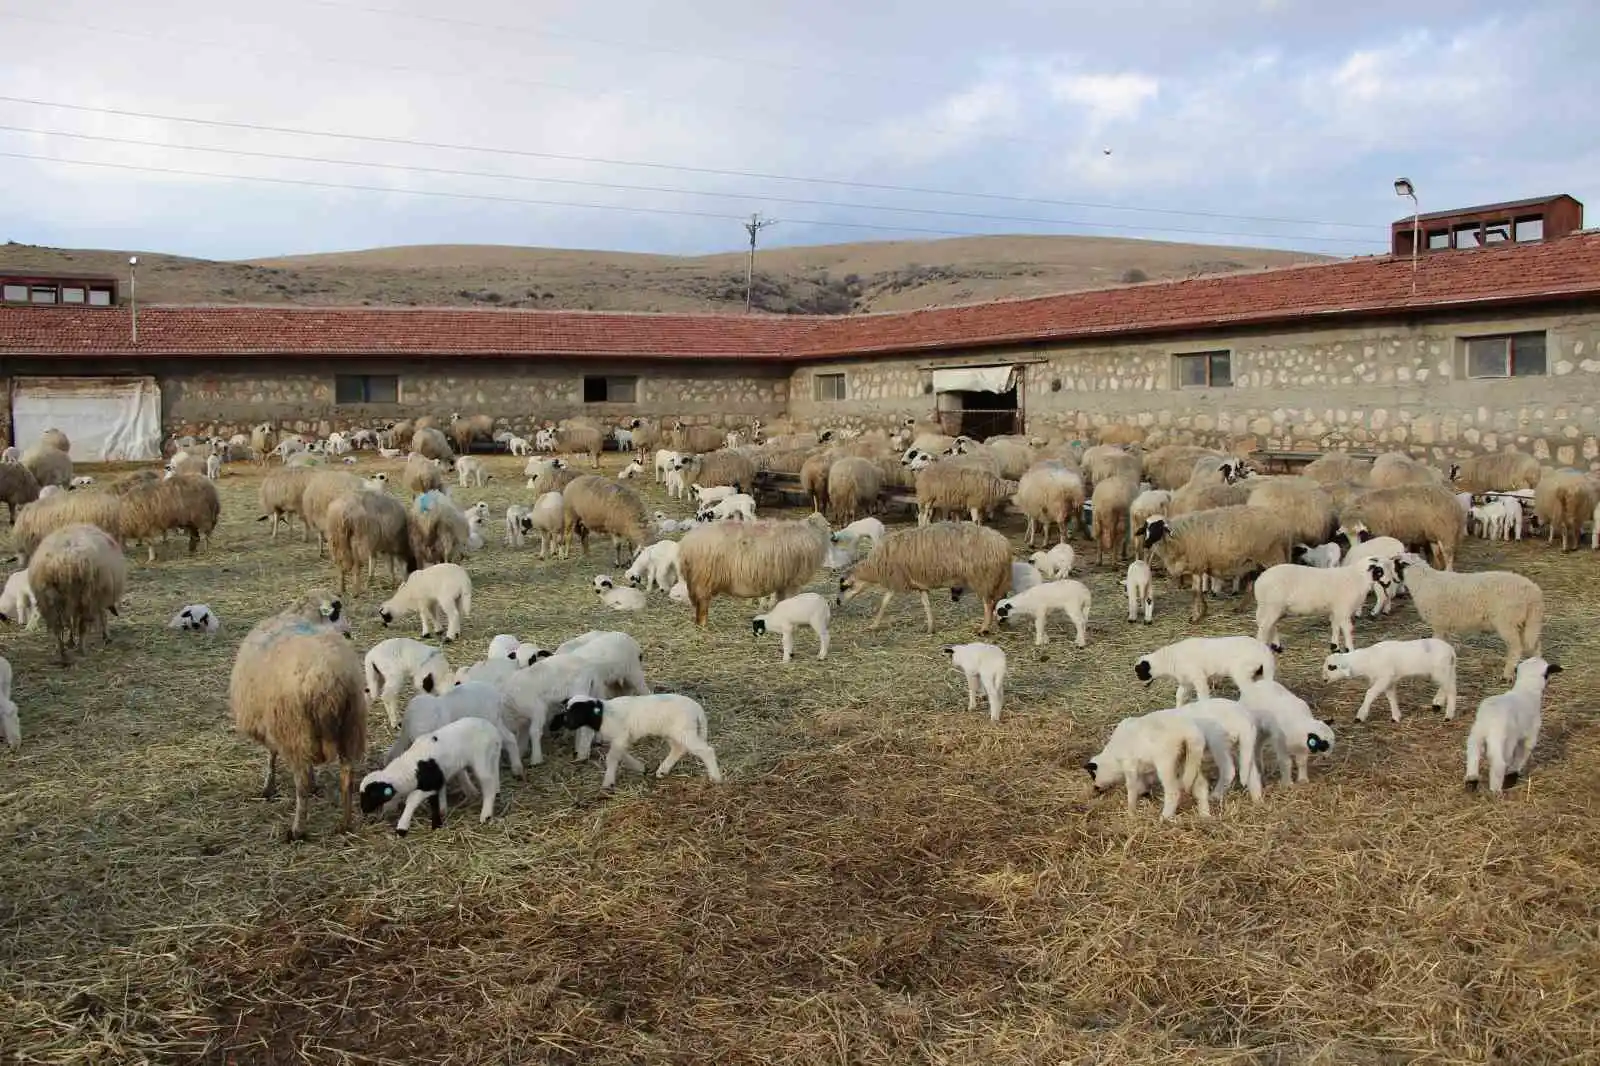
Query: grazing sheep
column 1140, row 596
column 624, row 720
column 804, row 609
column 363, row 526
column 1293, row 731
column 1335, row 467
column 1170, row 748
column 1289, row 589
column 1500, row 518
column 184, row 501
column 718, row 468
column 1502, row 471
column 984, row 665
column 423, row 771
column 1055, row 563
column 961, row 488
column 1067, row 596
column 393, row 662
column 1226, row 542
column 547, row 520
column 594, row 504
column 1049, row 494
column 1496, row 601
column 196, row 618
column 431, row 710
column 581, row 438
column 10, row 720
column 17, row 602
column 78, row 576
column 1506, row 727
column 519, row 446
column 297, row 689
column 870, row 528
column 950, row 555
column 503, row 646
column 42, row 517
column 438, row 530
column 598, row 663
column 463, row 431
column 749, row 560
column 441, row 589
column 422, row 475
column 656, row 566
column 1194, row 661
column 18, row 487
column 1232, row 737
column 470, row 471
column 1297, row 503
column 49, row 466
column 431, row 444
column 1113, row 497
column 1387, row 662
column 1392, row 470
column 282, row 493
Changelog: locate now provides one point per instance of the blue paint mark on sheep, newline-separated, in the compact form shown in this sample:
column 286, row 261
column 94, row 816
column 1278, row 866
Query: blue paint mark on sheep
column 425, row 501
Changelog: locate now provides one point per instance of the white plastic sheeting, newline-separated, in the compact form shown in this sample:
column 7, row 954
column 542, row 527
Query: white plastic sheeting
column 975, row 379
column 106, row 419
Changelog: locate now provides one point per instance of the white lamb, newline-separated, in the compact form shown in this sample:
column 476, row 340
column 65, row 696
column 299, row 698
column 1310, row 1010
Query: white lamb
column 666, row 527
column 1507, row 726
column 393, row 662
column 17, row 603
column 1068, row 596
column 676, row 486
column 425, row 768
column 1169, row 748
column 1291, row 589
column 545, row 440
column 519, row 523
column 984, row 665
column 213, row 466
column 666, row 462
column 477, row 530
column 631, row 471
column 196, row 618
column 1055, row 563
column 656, row 566
column 443, row 589
column 10, row 721
column 1323, row 556
column 1140, row 596
column 81, row 481
column 625, row 720
column 1024, row 576
column 870, row 528
column 494, row 672
column 1387, row 662
column 740, row 507
column 1232, row 737
column 503, row 646
column 547, row 516
column 1194, row 661
column 527, row 654
column 519, row 446
column 1503, row 518
column 706, row 495
column 803, row 609
column 600, row 663
column 1384, row 549
column 623, row 598
column 430, row 711
column 1288, row 725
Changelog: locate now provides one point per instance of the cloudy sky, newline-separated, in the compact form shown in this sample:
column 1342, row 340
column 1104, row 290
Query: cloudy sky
column 657, row 126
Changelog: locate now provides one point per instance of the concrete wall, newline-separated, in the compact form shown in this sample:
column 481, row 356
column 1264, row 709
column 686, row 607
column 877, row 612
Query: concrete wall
column 1384, row 386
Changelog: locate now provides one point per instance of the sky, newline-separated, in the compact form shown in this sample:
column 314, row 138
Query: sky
column 660, row 126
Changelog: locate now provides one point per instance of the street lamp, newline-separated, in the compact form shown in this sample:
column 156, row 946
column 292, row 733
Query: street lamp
column 1403, row 187
column 133, row 293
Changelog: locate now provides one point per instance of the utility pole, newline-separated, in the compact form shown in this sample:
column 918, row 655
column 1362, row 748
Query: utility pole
column 753, row 227
column 133, row 294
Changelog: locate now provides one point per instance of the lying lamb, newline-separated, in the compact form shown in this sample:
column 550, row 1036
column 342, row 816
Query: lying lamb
column 1068, row 596
column 1387, row 662
column 393, row 662
column 1171, row 748
column 625, row 720
column 1507, row 726
column 985, row 665
column 425, row 768
column 1194, row 661
column 196, row 618
column 1140, row 595
column 804, row 609
column 739, row 507
column 1289, row 726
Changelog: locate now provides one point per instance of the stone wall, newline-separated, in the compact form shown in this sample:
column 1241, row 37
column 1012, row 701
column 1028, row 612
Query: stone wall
column 1394, row 386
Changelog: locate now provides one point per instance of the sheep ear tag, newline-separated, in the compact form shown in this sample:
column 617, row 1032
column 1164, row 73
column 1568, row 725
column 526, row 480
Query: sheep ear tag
column 1316, row 743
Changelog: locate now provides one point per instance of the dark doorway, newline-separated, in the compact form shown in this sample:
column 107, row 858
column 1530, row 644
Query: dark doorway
column 983, row 414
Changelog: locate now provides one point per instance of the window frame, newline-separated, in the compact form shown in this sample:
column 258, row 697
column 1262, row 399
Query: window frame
column 365, row 381
column 1207, row 358
column 1508, row 342
column 610, row 387
column 832, row 378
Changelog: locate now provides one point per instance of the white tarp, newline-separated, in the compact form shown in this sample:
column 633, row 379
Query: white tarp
column 974, row 379
column 106, row 419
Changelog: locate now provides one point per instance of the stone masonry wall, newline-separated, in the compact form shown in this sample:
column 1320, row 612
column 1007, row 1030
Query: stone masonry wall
column 1383, row 387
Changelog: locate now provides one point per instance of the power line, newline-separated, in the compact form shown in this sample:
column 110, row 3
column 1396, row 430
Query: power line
column 756, row 175
column 586, row 183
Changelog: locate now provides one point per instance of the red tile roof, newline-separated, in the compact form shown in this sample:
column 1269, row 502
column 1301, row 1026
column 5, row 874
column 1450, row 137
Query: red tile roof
column 1564, row 269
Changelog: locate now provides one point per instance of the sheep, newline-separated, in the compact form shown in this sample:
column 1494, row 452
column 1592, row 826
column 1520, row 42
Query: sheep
column 423, row 771
column 544, row 440
column 196, row 618
column 54, row 438
column 1323, row 556
column 1137, row 584
column 261, row 441
column 297, row 689
column 739, row 507
column 1232, row 737
column 1501, row 518
column 594, row 504
column 443, row 588
column 1171, row 748
column 463, row 431
column 321, row 490
column 687, row 438
column 1049, row 494
column 1361, row 547
column 1502, row 471
column 1070, row 597
column 281, row 494
column 664, row 462
column 1387, row 662
column 391, row 663
column 40, row 518
column 1024, row 576
column 431, row 444
column 1289, row 589
column 705, row 495
column 631, row 471
column 10, row 720
column 984, row 665
column 1113, row 496
column 1393, row 470
column 598, row 663
column 503, row 646
column 656, row 566
column 438, row 530
column 1173, row 465
column 854, row 485
column 184, row 463
column 1495, row 601
column 623, row 598
column 78, row 575
column 49, row 466
column 1293, row 731
column 624, row 720
column 17, row 602
column 718, row 468
column 1104, row 461
column 213, row 467
column 1299, row 504
column 675, row 485
column 952, row 555
column 519, row 446
column 804, row 609
column 1335, row 467
column 1226, row 542
column 870, row 528
column 1192, row 663
column 1564, row 500
column 1152, row 503
column 362, row 526
column 679, row 593
column 1506, row 727
column 422, row 475
column 18, row 487
column 518, row 524
column 185, row 502
column 477, row 531
column 580, row 438
column 546, row 520
column 470, row 471
column 960, row 487
column 431, row 710
column 750, row 559
column 1055, row 563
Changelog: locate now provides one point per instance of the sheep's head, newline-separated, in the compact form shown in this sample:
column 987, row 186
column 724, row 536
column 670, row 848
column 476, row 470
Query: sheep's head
column 1155, row 531
column 850, row 587
column 375, row 792
column 1002, row 610
column 1143, row 671
column 1319, row 741
column 1103, row 773
column 386, row 613
column 582, row 712
column 603, row 584
column 758, row 626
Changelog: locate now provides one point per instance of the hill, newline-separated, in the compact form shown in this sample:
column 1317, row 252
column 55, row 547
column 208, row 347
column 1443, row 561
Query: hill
column 828, row 279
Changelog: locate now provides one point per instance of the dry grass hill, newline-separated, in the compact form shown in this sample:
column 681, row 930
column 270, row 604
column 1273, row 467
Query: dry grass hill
column 830, row 279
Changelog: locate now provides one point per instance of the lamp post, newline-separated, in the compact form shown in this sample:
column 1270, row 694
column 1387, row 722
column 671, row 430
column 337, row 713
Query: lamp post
column 133, row 293
column 1403, row 187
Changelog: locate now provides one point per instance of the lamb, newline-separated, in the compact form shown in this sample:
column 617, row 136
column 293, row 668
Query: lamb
column 623, row 721
column 1502, row 471
column 1055, row 563
column 804, row 609
column 519, row 446
column 740, row 507
column 470, row 471
column 943, row 555
column 548, row 516
column 598, row 663
column 1495, row 601
column 705, row 496
column 362, row 526
column 1323, row 556
column 527, row 654
column 518, row 524
column 750, row 559
column 1171, row 748
column 1232, row 737
column 631, row 471
column 477, row 531
column 656, row 566
column 1293, row 731
column 296, row 689
column 443, row 588
column 213, row 466
column 78, row 575
column 1507, row 726
column 17, row 602
column 423, row 771
column 393, row 662
column 1360, row 547
column 196, row 618
column 1387, row 662
column 665, row 462
column 503, row 646
column 10, row 720
column 431, row 710
column 1192, row 663
column 985, row 665
column 1068, row 596
column 1225, row 542
column 1501, row 517
column 594, row 504
column 1140, row 596
column 870, row 528
column 623, row 598
column 437, row 529
column 1290, row 589
column 184, row 463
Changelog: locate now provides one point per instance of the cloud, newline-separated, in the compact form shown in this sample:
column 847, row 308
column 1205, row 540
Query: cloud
column 1106, row 97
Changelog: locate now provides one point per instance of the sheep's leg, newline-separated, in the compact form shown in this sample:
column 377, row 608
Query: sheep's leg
column 452, row 617
column 1497, row 769
column 1512, row 636
column 613, row 760
column 347, row 791
column 1135, row 785
column 1202, row 687
column 1524, row 750
column 1197, row 611
column 822, row 642
column 675, row 751
column 1227, row 770
column 1281, row 756
column 269, row 789
column 877, row 619
column 297, row 830
column 1182, row 696
column 1474, row 753
column 583, row 743
column 1081, row 624
column 1202, row 796
column 1249, row 772
column 1039, row 637
column 988, row 615
column 1027, row 537
column 1446, row 698
column 992, row 687
column 972, row 692
column 927, row 609
column 1171, row 788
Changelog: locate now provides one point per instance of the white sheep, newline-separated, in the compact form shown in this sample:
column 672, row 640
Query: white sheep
column 494, row 672
column 82, row 481
column 1387, row 662
column 1169, row 748
column 666, row 526
column 1507, row 726
column 624, row 720
column 1232, row 737
column 10, row 720
column 430, row 711
column 870, row 528
column 1140, row 595
column 706, row 495
column 519, row 446
column 443, row 589
column 1055, row 563
column 675, row 484
column 666, row 462
column 1291, row 589
column 623, row 598
column 1460, row 604
column 1194, row 661
column 1024, row 576
column 17, row 602
column 603, row 583
column 804, row 609
column 1289, row 726
column 518, row 524
column 1070, row 597
column 631, row 471
column 477, row 531
column 1323, row 556
column 1364, row 547
column 1503, row 516
column 739, row 507
column 546, row 520
column 425, row 768
column 213, row 466
column 544, row 440
column 528, row 653
column 393, row 662
column 984, row 665
column 656, row 566
column 470, row 471
column 196, row 618
column 503, row 646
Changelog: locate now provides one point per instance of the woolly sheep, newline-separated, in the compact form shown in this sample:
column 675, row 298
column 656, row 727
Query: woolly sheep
column 1055, row 563
column 594, row 504
column 1299, row 504
column 1497, row 601
column 1113, row 496
column 430, row 443
column 49, row 466
column 10, row 720
column 1192, row 663
column 547, row 518
column 1152, row 503
column 1232, row 737
column 1227, row 542
column 1170, row 748
column 1564, row 500
column 1506, row 727
column 1415, row 514
column 1290, row 589
column 950, row 555
column 430, row 710
column 1336, row 467
column 1387, row 662
column 854, row 484
column 623, row 598
column 1140, row 597
column 183, row 502
column 1323, row 556
column 437, row 529
column 196, row 618
column 749, row 560
column 18, row 487
column 984, row 665
column 463, row 431
column 17, row 602
column 393, row 662
column 805, row 609
column 363, row 526
column 1070, row 597
column 281, row 494
column 1501, row 471
column 960, row 488
column 624, row 720
column 78, row 575
column 1288, row 725
column 656, row 566
column 321, row 490
column 1393, row 470
column 442, row 589
column 423, row 771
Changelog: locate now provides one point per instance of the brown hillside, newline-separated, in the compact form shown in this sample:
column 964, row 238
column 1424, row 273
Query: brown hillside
column 829, row 279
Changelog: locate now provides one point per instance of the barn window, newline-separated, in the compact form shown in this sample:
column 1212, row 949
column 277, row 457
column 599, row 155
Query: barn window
column 1509, row 355
column 42, row 294
column 1530, row 228
column 366, row 388
column 99, row 297
column 1468, row 235
column 599, row 389
column 72, row 294
column 15, row 293
column 829, row 387
column 1204, row 370
column 1437, row 239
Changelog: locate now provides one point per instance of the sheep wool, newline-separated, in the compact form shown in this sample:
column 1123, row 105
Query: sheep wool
column 1506, row 728
column 362, row 526
column 1231, row 736
column 17, row 602
column 1067, row 596
column 749, row 560
column 953, row 555
column 806, row 609
column 625, row 720
column 984, row 665
column 1493, row 601
column 10, row 720
column 1388, row 662
column 78, row 575
column 1169, row 748
column 423, row 771
column 1055, row 563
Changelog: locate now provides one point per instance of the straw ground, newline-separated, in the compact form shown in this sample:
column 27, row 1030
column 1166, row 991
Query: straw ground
column 884, row 877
